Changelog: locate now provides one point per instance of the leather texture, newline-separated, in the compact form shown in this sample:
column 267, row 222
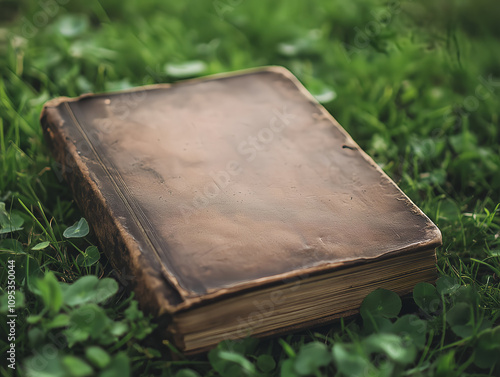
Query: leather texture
column 216, row 185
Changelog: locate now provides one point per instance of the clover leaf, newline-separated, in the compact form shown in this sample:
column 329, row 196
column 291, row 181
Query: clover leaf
column 77, row 230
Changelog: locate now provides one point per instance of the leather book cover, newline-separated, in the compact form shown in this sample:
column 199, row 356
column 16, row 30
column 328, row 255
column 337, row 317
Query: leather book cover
column 226, row 184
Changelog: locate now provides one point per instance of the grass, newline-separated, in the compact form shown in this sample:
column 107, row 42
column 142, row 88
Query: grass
column 417, row 85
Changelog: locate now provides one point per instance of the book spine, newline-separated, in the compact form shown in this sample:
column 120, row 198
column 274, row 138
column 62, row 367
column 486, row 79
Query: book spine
column 135, row 269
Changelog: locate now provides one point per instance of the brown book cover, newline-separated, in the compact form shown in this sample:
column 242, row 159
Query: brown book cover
column 238, row 203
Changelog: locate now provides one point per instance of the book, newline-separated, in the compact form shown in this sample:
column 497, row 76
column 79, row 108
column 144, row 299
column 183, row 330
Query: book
column 238, row 204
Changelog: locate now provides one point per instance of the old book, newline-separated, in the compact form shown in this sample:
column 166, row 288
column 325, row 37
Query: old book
column 239, row 205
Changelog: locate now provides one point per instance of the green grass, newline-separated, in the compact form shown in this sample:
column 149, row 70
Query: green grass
column 417, row 85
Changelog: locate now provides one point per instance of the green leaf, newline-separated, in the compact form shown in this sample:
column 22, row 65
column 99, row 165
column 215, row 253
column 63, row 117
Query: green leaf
column 20, row 300
column 72, row 25
column 4, row 215
column 393, row 346
column 39, row 366
column 426, row 297
column 187, row 373
column 140, row 326
column 219, row 365
column 287, row 348
column 81, row 291
column 76, row 367
column 380, row 302
column 4, row 301
column 60, row 320
column 106, row 288
column 133, row 313
column 467, row 294
column 287, row 369
column 86, row 321
column 459, row 314
column 447, row 285
column 266, row 363
column 229, row 363
column 34, row 318
column 445, row 364
column 352, row 361
column 243, row 346
column 119, row 367
column 488, row 348
column 322, row 92
column 325, row 95
column 76, row 335
column 89, row 258
column 459, row 317
column 187, row 69
column 97, row 356
column 15, row 223
column 152, row 352
column 306, row 44
column 51, row 293
column 411, row 329
column 114, row 86
column 377, row 324
column 77, row 230
column 118, row 328
column 35, row 337
column 41, row 245
column 310, row 357
column 241, row 360
column 9, row 222
column 31, row 272
column 11, row 246
column 89, row 289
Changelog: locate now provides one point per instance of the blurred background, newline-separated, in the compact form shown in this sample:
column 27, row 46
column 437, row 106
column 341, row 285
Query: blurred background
column 403, row 77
